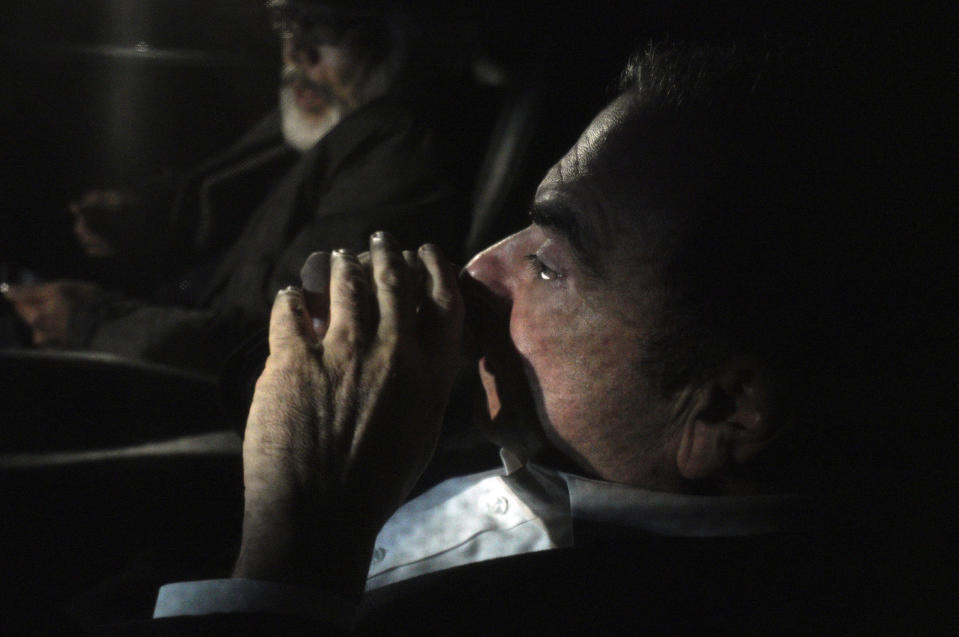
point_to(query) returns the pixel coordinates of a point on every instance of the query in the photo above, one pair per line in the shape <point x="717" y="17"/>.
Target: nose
<point x="487" y="282"/>
<point x="490" y="271"/>
<point x="487" y="288"/>
<point x="297" y="50"/>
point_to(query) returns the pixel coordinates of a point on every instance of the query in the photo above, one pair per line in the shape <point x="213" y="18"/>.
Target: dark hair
<point x="753" y="164"/>
<point x="762" y="164"/>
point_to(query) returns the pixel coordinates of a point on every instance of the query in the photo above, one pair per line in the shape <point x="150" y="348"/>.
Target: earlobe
<point x="731" y="420"/>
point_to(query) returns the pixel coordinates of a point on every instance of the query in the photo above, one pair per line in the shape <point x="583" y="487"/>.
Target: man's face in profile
<point x="576" y="300"/>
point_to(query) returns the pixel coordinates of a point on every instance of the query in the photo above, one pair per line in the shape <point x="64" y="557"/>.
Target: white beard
<point x="302" y="131"/>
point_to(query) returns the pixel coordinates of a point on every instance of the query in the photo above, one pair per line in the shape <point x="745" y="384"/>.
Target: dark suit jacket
<point x="258" y="211"/>
<point x="614" y="582"/>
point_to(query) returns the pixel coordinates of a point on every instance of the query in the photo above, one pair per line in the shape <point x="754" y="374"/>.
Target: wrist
<point x="280" y="545"/>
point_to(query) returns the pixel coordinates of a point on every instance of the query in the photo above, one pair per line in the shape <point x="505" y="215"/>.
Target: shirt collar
<point x="673" y="514"/>
<point x="511" y="462"/>
<point x="680" y="514"/>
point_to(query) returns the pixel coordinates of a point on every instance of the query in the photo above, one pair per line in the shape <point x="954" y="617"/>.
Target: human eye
<point x="540" y="269"/>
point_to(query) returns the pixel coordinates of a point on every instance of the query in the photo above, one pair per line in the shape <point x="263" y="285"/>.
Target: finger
<point x="349" y="301"/>
<point x="315" y="277"/>
<point x="48" y="331"/>
<point x="29" y="312"/>
<point x="93" y="244"/>
<point x="39" y="337"/>
<point x="364" y="259"/>
<point x="25" y="299"/>
<point x="290" y="327"/>
<point x="28" y="306"/>
<point x="391" y="277"/>
<point x="111" y="198"/>
<point x="17" y="293"/>
<point x="412" y="262"/>
<point x="91" y="198"/>
<point x="418" y="274"/>
<point x="442" y="310"/>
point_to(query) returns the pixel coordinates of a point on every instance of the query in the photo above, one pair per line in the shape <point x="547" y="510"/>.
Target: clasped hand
<point x="48" y="308"/>
<point x="347" y="411"/>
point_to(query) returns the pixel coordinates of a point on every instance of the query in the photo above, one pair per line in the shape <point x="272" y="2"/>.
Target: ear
<point x="732" y="419"/>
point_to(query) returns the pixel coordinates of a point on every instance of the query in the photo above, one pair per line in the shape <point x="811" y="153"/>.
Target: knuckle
<point x="388" y="359"/>
<point x="349" y="344"/>
<point x="390" y="278"/>
<point x="351" y="283"/>
<point x="446" y="298"/>
<point x="344" y="343"/>
<point x="349" y="303"/>
<point x="389" y="340"/>
<point x="284" y="360"/>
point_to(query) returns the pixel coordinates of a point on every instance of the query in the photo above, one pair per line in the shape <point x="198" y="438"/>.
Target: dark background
<point x="105" y="93"/>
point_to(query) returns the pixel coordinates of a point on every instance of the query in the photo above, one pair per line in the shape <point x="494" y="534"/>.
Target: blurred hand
<point x="47" y="308"/>
<point x="347" y="411"/>
<point x="103" y="220"/>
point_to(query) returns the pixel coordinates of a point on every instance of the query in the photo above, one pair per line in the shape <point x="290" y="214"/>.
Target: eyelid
<point x="587" y="256"/>
<point x="543" y="271"/>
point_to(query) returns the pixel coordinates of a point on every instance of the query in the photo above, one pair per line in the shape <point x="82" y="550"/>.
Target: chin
<point x="302" y="130"/>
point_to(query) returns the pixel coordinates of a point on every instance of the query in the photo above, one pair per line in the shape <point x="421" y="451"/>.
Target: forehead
<point x="592" y="195"/>
<point x="579" y="172"/>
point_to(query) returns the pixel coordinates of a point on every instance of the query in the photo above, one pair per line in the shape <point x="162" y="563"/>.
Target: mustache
<point x="293" y="76"/>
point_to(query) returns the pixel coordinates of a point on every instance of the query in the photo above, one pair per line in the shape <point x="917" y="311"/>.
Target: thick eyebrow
<point x="562" y="220"/>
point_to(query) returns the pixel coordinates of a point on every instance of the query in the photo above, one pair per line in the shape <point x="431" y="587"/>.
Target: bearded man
<point x="345" y="154"/>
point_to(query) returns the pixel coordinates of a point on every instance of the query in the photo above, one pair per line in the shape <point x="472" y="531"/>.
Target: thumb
<point x="21" y="294"/>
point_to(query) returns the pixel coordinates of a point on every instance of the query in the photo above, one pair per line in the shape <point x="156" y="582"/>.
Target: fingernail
<point x="290" y="289"/>
<point x="379" y="235"/>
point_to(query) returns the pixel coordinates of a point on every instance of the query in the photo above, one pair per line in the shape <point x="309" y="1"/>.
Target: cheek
<point x="572" y="359"/>
<point x="540" y="329"/>
<point x="338" y="66"/>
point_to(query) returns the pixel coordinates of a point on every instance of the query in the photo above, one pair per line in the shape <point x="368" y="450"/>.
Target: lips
<point x="307" y="98"/>
<point x="485" y="339"/>
<point x="500" y="366"/>
<point x="488" y="378"/>
<point x="307" y="94"/>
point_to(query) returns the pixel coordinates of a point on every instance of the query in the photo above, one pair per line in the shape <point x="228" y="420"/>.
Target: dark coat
<point x="617" y="582"/>
<point x="260" y="209"/>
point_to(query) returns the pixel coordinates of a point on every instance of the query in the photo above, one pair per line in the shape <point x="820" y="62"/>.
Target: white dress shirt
<point x="489" y="515"/>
